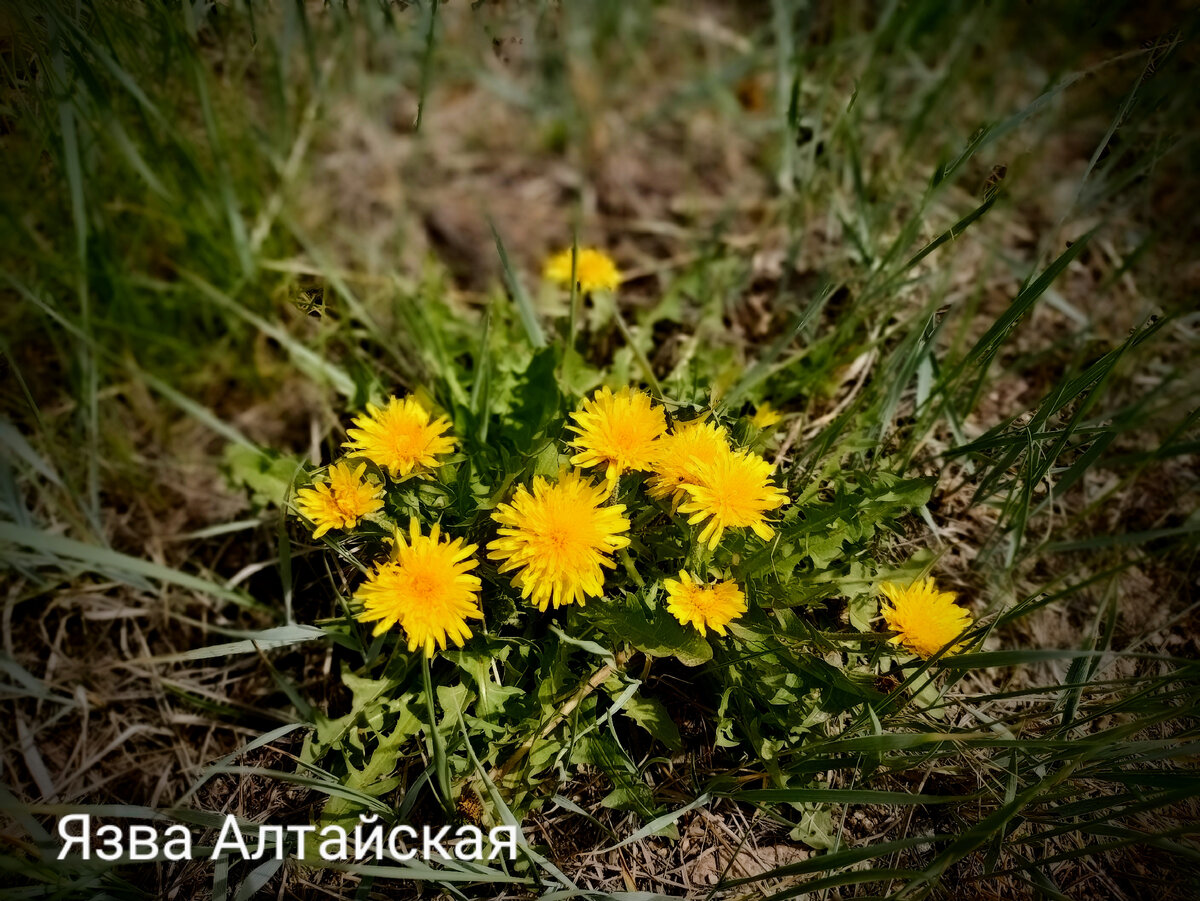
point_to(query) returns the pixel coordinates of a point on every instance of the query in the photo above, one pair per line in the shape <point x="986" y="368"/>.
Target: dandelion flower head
<point x="924" y="619"/>
<point x="340" y="501"/>
<point x="594" y="270"/>
<point x="559" y="538"/>
<point x="735" y="491"/>
<point x="765" y="417"/>
<point x="426" y="588"/>
<point x="617" y="431"/>
<point x="704" y="606"/>
<point x="682" y="454"/>
<point x="400" y="437"/>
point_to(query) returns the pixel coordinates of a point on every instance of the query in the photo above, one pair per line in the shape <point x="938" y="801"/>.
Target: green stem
<point x="647" y="369"/>
<point x="631" y="569"/>
<point x="437" y="743"/>
<point x="572" y="320"/>
<point x="698" y="559"/>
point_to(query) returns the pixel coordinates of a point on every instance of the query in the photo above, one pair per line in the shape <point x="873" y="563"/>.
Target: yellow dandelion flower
<point x="924" y="619"/>
<point x="400" y="437"/>
<point x="704" y="606"/>
<point x="733" y="492"/>
<point x="426" y="588"/>
<point x="618" y="431"/>
<point x="681" y="454"/>
<point x="594" y="270"/>
<point x="341" y="501"/>
<point x="559" y="538"/>
<point x="765" y="417"/>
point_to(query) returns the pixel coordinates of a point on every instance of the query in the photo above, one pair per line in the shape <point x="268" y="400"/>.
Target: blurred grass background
<point x="960" y="235"/>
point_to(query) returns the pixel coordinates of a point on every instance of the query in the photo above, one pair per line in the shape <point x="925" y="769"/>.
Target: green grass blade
<point x="525" y="308"/>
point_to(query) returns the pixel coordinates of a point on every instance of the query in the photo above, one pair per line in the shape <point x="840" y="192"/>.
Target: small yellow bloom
<point x="618" y="431"/>
<point x="681" y="454"/>
<point x="924" y="619"/>
<point x="340" y="502"/>
<point x="594" y="270"/>
<point x="713" y="606"/>
<point x="400" y="437"/>
<point x="765" y="416"/>
<point x="559" y="538"/>
<point x="426" y="588"/>
<point x="733" y="492"/>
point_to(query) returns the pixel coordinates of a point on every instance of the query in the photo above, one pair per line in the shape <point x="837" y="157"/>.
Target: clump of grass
<point x="936" y="242"/>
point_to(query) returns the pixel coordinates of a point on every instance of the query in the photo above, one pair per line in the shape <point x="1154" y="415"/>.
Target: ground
<point x="675" y="137"/>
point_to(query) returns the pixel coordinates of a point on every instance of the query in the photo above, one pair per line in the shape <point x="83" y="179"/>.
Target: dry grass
<point x="652" y="188"/>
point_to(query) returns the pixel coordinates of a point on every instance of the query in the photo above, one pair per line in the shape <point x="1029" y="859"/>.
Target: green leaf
<point x="520" y="296"/>
<point x="825" y="547"/>
<point x="651" y="715"/>
<point x="590" y="646"/>
<point x="862" y="609"/>
<point x="376" y="778"/>
<point x="653" y="632"/>
<point x="309" y="361"/>
<point x="266" y="476"/>
<point x="264" y="640"/>
<point x="492" y="698"/>
<point x="16" y="445"/>
<point x="629" y="791"/>
<point x="538" y="399"/>
<point x="542" y="754"/>
<point x="660" y="825"/>
<point x="114" y="565"/>
<point x="453" y="700"/>
<point x="815" y="828"/>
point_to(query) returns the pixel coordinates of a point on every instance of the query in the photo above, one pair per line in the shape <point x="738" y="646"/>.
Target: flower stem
<point x="638" y="354"/>
<point x="631" y="569"/>
<point x="572" y="323"/>
<point x="698" y="558"/>
<point x="437" y="744"/>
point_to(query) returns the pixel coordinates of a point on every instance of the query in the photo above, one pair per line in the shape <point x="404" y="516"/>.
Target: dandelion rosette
<point x="681" y="455"/>
<point x="559" y="539"/>
<point x="341" y="501"/>
<point x="924" y="619"/>
<point x="617" y="431"/>
<point x="734" y="491"/>
<point x="400" y="437"/>
<point x="426" y="588"/>
<point x="594" y="270"/>
<point x="704" y="606"/>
